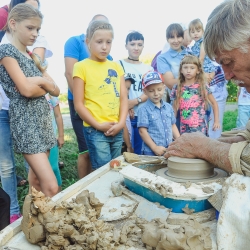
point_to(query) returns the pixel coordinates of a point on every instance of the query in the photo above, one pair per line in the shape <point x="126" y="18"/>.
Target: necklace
<point x="135" y="60"/>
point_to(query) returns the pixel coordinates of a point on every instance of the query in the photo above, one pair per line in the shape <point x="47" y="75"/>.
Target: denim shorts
<point x="102" y="148"/>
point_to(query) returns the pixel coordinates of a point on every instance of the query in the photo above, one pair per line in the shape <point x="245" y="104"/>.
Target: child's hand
<point x="105" y="126"/>
<point x="130" y="149"/>
<point x="216" y="126"/>
<point x="35" y="80"/>
<point x="131" y="113"/>
<point x="115" y="129"/>
<point x="60" y="141"/>
<point x="159" y="150"/>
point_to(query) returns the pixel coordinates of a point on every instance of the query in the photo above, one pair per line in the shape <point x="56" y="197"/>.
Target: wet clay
<point x="131" y="157"/>
<point x="189" y="168"/>
<point x="207" y="190"/>
<point x="75" y="225"/>
<point x="190" y="235"/>
<point x="188" y="210"/>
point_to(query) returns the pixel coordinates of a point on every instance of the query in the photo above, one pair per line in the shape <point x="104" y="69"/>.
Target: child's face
<point x="26" y="31"/>
<point x="196" y="34"/>
<point x="100" y="45"/>
<point x="155" y="92"/>
<point x="189" y="71"/>
<point x="135" y="48"/>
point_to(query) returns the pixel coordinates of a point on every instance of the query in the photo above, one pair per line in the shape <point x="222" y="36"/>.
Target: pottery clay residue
<point x="189" y="236"/>
<point x="69" y="225"/>
<point x="75" y="226"/>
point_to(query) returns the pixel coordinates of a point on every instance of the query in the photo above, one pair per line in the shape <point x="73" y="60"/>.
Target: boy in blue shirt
<point x="156" y="118"/>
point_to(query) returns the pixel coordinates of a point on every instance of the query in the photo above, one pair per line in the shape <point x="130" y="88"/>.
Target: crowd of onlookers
<point x="115" y="106"/>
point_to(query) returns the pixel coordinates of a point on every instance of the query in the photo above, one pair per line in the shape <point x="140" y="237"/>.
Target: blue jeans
<point x="7" y="163"/>
<point x="102" y="148"/>
<point x="136" y="138"/>
<point x="243" y="115"/>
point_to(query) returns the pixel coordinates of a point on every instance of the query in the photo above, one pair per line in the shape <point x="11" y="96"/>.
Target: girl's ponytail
<point x="37" y="61"/>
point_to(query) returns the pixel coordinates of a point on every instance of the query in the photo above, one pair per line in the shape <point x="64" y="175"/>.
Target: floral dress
<point x="192" y="109"/>
<point x="208" y="65"/>
<point x="30" y="119"/>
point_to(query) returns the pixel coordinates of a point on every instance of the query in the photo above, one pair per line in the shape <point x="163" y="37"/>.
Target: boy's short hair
<point x="174" y="29"/>
<point x="134" y="35"/>
<point x="151" y="77"/>
<point x="196" y="24"/>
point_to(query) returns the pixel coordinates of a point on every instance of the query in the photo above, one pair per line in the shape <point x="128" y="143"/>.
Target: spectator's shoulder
<point x="73" y="40"/>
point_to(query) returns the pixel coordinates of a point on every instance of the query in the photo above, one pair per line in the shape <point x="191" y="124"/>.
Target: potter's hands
<point x="188" y="145"/>
<point x="105" y="126"/>
<point x="114" y="130"/>
<point x="159" y="150"/>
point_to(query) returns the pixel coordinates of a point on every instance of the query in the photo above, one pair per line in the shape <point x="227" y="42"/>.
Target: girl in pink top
<point x="192" y="97"/>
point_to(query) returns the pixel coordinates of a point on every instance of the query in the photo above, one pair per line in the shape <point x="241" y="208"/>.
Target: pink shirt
<point x="3" y="16"/>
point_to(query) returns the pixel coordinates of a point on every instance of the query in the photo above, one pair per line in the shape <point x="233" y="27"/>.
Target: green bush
<point x="232" y="92"/>
<point x="229" y="120"/>
<point x="63" y="97"/>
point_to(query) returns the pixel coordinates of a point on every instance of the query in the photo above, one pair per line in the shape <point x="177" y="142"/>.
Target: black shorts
<point x="77" y="124"/>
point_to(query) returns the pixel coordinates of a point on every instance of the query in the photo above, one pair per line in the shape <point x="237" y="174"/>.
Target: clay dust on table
<point x="75" y="226"/>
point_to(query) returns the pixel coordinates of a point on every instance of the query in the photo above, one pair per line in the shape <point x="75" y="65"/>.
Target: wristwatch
<point x="139" y="100"/>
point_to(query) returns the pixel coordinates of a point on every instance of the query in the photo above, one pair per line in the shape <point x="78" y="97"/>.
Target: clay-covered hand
<point x="216" y="126"/>
<point x="114" y="130"/>
<point x="188" y="145"/>
<point x="105" y="126"/>
<point x="159" y="150"/>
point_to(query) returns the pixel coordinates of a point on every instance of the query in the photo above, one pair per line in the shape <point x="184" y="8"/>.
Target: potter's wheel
<point x="193" y="170"/>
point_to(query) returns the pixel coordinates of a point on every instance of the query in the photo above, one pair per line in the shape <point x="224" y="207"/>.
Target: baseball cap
<point x="151" y="77"/>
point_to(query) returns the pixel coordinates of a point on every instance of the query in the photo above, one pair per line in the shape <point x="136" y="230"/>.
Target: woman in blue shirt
<point x="168" y="63"/>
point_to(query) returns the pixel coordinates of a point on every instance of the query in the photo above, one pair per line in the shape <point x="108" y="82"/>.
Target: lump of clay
<point x="191" y="235"/>
<point x="116" y="188"/>
<point x="188" y="210"/>
<point x="131" y="157"/>
<point x="69" y="225"/>
<point x="34" y="231"/>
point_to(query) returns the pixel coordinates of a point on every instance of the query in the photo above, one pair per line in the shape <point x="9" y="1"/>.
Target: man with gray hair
<point x="227" y="40"/>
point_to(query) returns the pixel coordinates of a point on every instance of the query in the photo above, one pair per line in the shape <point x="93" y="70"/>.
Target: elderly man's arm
<point x="197" y="145"/>
<point x="233" y="139"/>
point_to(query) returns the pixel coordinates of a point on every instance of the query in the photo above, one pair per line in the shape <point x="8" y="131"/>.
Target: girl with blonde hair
<point x="192" y="96"/>
<point x="25" y="82"/>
